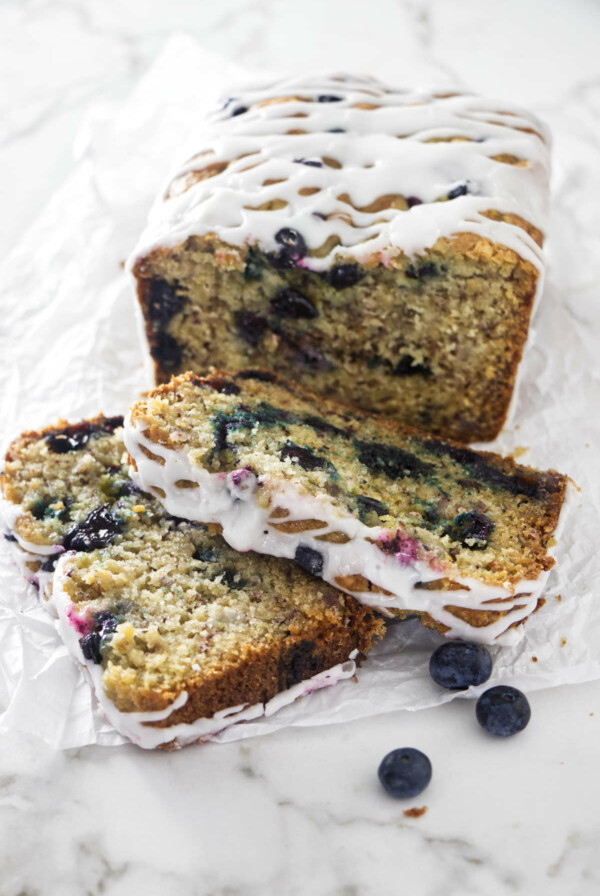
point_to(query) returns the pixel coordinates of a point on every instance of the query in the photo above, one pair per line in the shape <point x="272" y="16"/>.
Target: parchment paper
<point x="69" y="348"/>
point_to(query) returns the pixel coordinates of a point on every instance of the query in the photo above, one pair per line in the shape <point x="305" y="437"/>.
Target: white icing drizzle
<point x="228" y="499"/>
<point x="321" y="180"/>
<point x="135" y="725"/>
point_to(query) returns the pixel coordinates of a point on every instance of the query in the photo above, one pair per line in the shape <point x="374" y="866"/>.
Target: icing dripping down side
<point x="229" y="500"/>
<point x="361" y="170"/>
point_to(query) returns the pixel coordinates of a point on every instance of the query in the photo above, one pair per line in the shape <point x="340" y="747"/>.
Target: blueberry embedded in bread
<point x="394" y="517"/>
<point x="417" y="259"/>
<point x="166" y="617"/>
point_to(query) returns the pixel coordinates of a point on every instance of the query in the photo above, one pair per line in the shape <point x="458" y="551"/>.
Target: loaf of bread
<point x="382" y="247"/>
<point x="180" y="635"/>
<point x="403" y="521"/>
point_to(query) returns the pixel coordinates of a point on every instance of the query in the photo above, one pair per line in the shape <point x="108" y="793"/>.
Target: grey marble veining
<point x="301" y="811"/>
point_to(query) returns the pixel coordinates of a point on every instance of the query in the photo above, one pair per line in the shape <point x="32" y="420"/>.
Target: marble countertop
<point x="300" y="811"/>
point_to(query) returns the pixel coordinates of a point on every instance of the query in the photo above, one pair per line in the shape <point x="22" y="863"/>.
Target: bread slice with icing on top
<point x="180" y="635"/>
<point x="402" y="521"/>
<point x="383" y="247"/>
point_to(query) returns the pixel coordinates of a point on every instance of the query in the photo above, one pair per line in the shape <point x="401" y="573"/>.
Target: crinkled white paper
<point x="69" y="348"/>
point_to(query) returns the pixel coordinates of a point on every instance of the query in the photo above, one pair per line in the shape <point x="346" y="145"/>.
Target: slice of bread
<point x="403" y="521"/>
<point x="181" y="635"/>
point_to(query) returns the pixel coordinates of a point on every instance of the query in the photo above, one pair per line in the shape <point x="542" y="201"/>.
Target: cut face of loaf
<point x="381" y="247"/>
<point x="402" y="521"/>
<point x="180" y="635"/>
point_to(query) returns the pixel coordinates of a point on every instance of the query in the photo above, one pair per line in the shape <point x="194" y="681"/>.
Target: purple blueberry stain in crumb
<point x="408" y="366"/>
<point x="81" y="624"/>
<point x="342" y="276"/>
<point x="166" y="351"/>
<point x="309" y="559"/>
<point x="98" y="530"/>
<point x="411" y="201"/>
<point x="304" y="457"/>
<point x="471" y="529"/>
<point x="291" y="303"/>
<point x="250" y="327"/>
<point x="163" y="302"/>
<point x="404" y="548"/>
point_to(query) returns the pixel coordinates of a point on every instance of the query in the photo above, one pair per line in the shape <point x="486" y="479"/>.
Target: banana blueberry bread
<point x="403" y="521"/>
<point x="180" y="635"/>
<point x="380" y="246"/>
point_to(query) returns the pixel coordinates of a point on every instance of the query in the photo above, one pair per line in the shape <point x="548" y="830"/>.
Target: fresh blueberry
<point x="329" y="98"/>
<point x="405" y="772"/>
<point x="503" y="711"/>
<point x="471" y="529"/>
<point x="250" y="327"/>
<point x="460" y="190"/>
<point x="309" y="560"/>
<point x="62" y="442"/>
<point x="292" y="303"/>
<point x="343" y="275"/>
<point x="98" y="530"/>
<point x="458" y="665"/>
<point x="167" y="352"/>
<point x="421" y="271"/>
<point x="90" y="647"/>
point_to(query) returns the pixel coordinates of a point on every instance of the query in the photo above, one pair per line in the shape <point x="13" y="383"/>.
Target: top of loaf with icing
<point x="360" y="170"/>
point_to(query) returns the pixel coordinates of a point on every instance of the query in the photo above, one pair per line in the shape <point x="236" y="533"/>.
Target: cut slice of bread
<point x="181" y="635"/>
<point x="401" y="520"/>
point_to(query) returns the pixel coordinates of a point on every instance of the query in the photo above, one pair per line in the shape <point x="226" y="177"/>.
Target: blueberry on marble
<point x="166" y="351"/>
<point x="343" y="275"/>
<point x="90" y="647"/>
<point x="250" y="327"/>
<point x="460" y="190"/>
<point x="292" y="303"/>
<point x="471" y="529"/>
<point x="458" y="665"/>
<point x="407" y="366"/>
<point x="309" y="560"/>
<point x="162" y="303"/>
<point x="98" y="530"/>
<point x="503" y="710"/>
<point x="405" y="772"/>
<point x="63" y="442"/>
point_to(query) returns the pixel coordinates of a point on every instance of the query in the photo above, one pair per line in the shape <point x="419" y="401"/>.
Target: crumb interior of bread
<point x="184" y="608"/>
<point x="433" y="341"/>
<point x="385" y="476"/>
<point x="56" y="491"/>
<point x="189" y="607"/>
